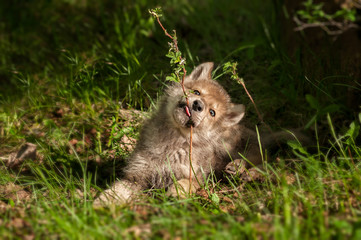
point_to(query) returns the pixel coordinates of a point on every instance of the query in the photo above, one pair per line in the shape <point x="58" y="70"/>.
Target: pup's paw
<point x="180" y="189"/>
<point x="236" y="167"/>
<point x="122" y="192"/>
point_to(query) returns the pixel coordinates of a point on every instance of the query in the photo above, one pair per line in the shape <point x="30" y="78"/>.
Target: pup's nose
<point x="198" y="106"/>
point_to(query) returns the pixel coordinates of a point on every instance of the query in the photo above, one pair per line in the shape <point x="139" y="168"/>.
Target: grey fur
<point x="162" y="152"/>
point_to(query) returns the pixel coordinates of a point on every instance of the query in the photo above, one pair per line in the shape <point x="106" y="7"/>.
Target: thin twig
<point x="240" y="81"/>
<point x="341" y="26"/>
<point x="260" y="117"/>
<point x="175" y="42"/>
<point x="237" y="189"/>
<point x="349" y="153"/>
<point x="177" y="50"/>
<point x="190" y="162"/>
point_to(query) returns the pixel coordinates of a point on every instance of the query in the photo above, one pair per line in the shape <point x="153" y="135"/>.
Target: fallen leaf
<point x="88" y="140"/>
<point x="131" y="114"/>
<point x="17" y="223"/>
<point x="240" y="218"/>
<point x="132" y="117"/>
<point x="202" y="193"/>
<point x="73" y="142"/>
<point x="3" y="207"/>
<point x="93" y="131"/>
<point x="227" y="199"/>
<point x="139" y="230"/>
<point x="227" y="208"/>
<point x="15" y="193"/>
<point x="37" y="130"/>
<point x="263" y="227"/>
<point x="27" y="151"/>
<point x="290" y="178"/>
<point x="79" y="193"/>
<point x="58" y="113"/>
<point x="143" y="211"/>
<point x="29" y="237"/>
<point x="127" y="143"/>
<point x="253" y="174"/>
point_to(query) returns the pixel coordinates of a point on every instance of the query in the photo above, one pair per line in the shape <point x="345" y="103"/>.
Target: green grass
<point x="71" y="73"/>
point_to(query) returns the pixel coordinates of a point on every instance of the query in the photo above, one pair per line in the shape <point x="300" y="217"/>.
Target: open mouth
<point x="186" y="121"/>
<point x="187" y="111"/>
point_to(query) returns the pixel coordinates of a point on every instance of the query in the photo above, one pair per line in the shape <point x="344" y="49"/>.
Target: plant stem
<point x="190" y="161"/>
<point x="175" y="42"/>
<point x="241" y="81"/>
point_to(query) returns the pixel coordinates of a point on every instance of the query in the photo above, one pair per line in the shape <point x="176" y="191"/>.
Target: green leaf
<point x="313" y="102"/>
<point x="215" y="198"/>
<point x="330" y="109"/>
<point x="342" y="225"/>
<point x="11" y="203"/>
<point x="318" y="6"/>
<point x="312" y="121"/>
<point x="308" y="3"/>
<point x="170" y="55"/>
<point x="172" y="78"/>
<point x="295" y="145"/>
<point x="352" y="132"/>
<point x="351" y="15"/>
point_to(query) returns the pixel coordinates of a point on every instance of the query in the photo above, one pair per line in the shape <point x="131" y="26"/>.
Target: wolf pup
<point x="162" y="152"/>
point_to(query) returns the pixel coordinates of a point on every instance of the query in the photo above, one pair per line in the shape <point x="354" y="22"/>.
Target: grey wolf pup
<point x="161" y="155"/>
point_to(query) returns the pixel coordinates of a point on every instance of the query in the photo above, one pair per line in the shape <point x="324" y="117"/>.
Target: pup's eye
<point x="212" y="112"/>
<point x="196" y="92"/>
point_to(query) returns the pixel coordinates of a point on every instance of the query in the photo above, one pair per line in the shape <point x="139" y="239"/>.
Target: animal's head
<point x="209" y="109"/>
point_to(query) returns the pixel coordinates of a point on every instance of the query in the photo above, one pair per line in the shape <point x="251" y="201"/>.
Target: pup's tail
<point x="274" y="140"/>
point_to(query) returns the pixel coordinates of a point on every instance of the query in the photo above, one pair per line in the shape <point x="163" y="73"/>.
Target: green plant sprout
<point x="231" y="68"/>
<point x="179" y="71"/>
<point x="336" y="23"/>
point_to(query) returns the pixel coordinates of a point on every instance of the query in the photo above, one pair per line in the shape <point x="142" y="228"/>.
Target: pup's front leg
<point x="120" y="193"/>
<point x="181" y="188"/>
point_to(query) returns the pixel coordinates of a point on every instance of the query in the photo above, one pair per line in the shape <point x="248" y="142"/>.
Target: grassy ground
<point x="76" y="78"/>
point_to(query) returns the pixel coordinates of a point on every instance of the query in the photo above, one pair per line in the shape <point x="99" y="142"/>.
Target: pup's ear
<point x="202" y="71"/>
<point x="234" y="115"/>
